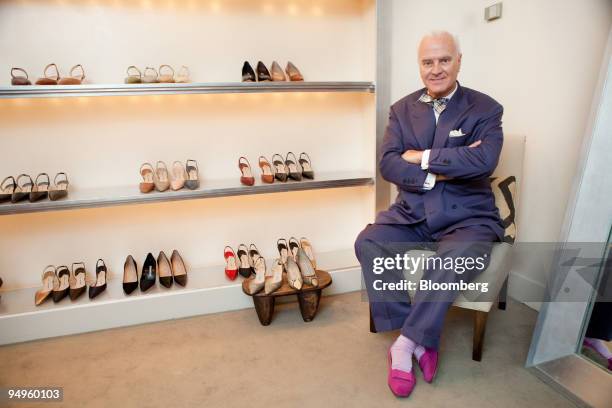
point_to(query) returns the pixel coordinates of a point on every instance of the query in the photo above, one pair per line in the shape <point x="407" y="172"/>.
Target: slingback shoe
<point x="73" y="79"/>
<point x="254" y="254"/>
<point x="167" y="76"/>
<point x="149" y="273"/>
<point x="134" y="76"/>
<point x="193" y="176"/>
<point x="308" y="273"/>
<point x="101" y="276"/>
<point x="247" y="174"/>
<point x="294" y="277"/>
<point x="165" y="271"/>
<point x="274" y="279"/>
<point x="183" y="76"/>
<point x="47" y="285"/>
<point x="161" y="180"/>
<point x="23" y="189"/>
<point x="277" y="72"/>
<point x="244" y="267"/>
<point x="40" y="189"/>
<point x="60" y="188"/>
<point x="257" y="282"/>
<point x="262" y="72"/>
<point x="267" y="175"/>
<point x="307" y="247"/>
<point x="130" y="275"/>
<point x="148" y="179"/>
<point x="61" y="283"/>
<point x="293" y="73"/>
<point x="179" y="176"/>
<point x="179" y="272"/>
<point x="283" y="250"/>
<point x="306" y="165"/>
<point x="150" y="76"/>
<point x="294" y="246"/>
<point x="231" y="264"/>
<point x="78" y="280"/>
<point x="248" y="75"/>
<point x="7" y="187"/>
<point x="19" y="79"/>
<point x="49" y="79"/>
<point x="292" y="164"/>
<point x="280" y="168"/>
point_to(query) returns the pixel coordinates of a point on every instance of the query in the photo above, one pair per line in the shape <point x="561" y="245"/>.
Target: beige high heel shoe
<point x="183" y="75"/>
<point x="73" y="79"/>
<point x="308" y="273"/>
<point x="168" y="77"/>
<point x="133" y="78"/>
<point x="293" y="73"/>
<point x="257" y="283"/>
<point x="294" y="277"/>
<point x="150" y="76"/>
<point x="19" y="79"/>
<point x="179" y="175"/>
<point x="48" y="277"/>
<point x="307" y="247"/>
<point x="148" y="180"/>
<point x="274" y="278"/>
<point x="161" y="180"/>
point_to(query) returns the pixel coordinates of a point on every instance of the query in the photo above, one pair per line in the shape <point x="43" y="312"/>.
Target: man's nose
<point x="437" y="69"/>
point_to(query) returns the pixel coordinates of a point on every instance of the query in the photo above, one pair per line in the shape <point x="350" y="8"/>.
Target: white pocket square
<point x="456" y="133"/>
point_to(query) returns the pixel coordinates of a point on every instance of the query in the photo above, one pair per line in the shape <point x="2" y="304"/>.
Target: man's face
<point x="439" y="64"/>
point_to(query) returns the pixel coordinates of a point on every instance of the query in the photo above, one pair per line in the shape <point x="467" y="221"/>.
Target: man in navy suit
<point x="441" y="146"/>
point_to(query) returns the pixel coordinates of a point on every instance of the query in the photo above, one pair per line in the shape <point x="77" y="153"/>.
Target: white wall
<point x="541" y="61"/>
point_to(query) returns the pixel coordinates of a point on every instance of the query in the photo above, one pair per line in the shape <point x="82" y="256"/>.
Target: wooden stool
<point x="308" y="298"/>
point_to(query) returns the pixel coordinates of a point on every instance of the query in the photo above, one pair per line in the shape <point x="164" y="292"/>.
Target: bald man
<point x="441" y="146"/>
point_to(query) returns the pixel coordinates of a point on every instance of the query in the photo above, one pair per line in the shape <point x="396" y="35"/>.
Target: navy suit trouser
<point x="422" y="318"/>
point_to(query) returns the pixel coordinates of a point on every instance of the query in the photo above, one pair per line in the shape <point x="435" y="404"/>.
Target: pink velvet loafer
<point x="400" y="382"/>
<point x="429" y="364"/>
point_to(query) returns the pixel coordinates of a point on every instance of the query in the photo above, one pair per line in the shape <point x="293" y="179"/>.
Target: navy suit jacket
<point x="465" y="200"/>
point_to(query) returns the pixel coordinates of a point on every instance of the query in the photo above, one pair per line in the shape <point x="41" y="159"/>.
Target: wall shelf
<point x="125" y="195"/>
<point x="55" y="91"/>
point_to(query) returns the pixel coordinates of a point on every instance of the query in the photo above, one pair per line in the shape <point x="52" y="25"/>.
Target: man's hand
<point x="413" y="156"/>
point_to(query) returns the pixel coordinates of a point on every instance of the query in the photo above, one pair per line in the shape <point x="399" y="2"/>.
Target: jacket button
<point x="454" y="206"/>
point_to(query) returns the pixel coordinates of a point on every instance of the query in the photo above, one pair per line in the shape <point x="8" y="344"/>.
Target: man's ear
<point x="459" y="60"/>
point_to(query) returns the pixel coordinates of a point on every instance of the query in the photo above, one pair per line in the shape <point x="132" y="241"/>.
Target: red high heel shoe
<point x="247" y="174"/>
<point x="231" y="266"/>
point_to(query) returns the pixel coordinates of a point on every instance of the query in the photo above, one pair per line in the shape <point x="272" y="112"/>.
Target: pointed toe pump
<point x="244" y="267"/>
<point x="40" y="189"/>
<point x="60" y="188"/>
<point x="130" y="275"/>
<point x="307" y="247"/>
<point x="257" y="282"/>
<point x="179" y="175"/>
<point x="306" y="165"/>
<point x="179" y="271"/>
<point x="149" y="273"/>
<point x="48" y="277"/>
<point x="294" y="246"/>
<point x="148" y="180"/>
<point x="23" y="188"/>
<point x="277" y="72"/>
<point x="292" y="164"/>
<point x="165" y="271"/>
<point x="134" y="76"/>
<point x="78" y="280"/>
<point x="281" y="173"/>
<point x="101" y="277"/>
<point x="254" y="254"/>
<point x="193" y="176"/>
<point x="309" y="276"/>
<point x="274" y="279"/>
<point x="262" y="72"/>
<point x="150" y="76"/>
<point x="293" y="73"/>
<point x="166" y="74"/>
<point x="231" y="263"/>
<point x="248" y="75"/>
<point x="61" y="283"/>
<point x="283" y="249"/>
<point x="246" y="177"/>
<point x="76" y="77"/>
<point x="7" y="187"/>
<point x="183" y="76"/>
<point x="267" y="175"/>
<point x="49" y="77"/>
<point x="19" y="79"/>
<point x="161" y="180"/>
<point x="294" y="277"/>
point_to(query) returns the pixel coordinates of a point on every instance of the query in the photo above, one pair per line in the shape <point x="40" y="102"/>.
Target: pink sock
<point x="401" y="354"/>
<point x="599" y="346"/>
<point x="419" y="351"/>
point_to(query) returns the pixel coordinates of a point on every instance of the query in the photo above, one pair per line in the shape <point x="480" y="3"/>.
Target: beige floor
<point x="229" y="360"/>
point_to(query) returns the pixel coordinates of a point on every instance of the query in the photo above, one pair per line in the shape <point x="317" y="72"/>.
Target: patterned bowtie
<point x="438" y="104"/>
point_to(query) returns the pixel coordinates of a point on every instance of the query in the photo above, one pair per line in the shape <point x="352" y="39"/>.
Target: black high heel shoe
<point x="248" y="75"/>
<point x="179" y="272"/>
<point x="78" y="280"/>
<point x="130" y="275"/>
<point x="292" y="164"/>
<point x="22" y="190"/>
<point x="7" y="188"/>
<point x="100" y="285"/>
<point x="149" y="273"/>
<point x="306" y="165"/>
<point x="61" y="283"/>
<point x="244" y="266"/>
<point x="40" y="189"/>
<point x="281" y="173"/>
<point x="262" y="72"/>
<point x="60" y="190"/>
<point x="165" y="271"/>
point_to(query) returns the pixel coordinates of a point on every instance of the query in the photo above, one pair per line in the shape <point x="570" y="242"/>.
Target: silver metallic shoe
<point x="308" y="273"/>
<point x="294" y="277"/>
<point x="257" y="282"/>
<point x="274" y="278"/>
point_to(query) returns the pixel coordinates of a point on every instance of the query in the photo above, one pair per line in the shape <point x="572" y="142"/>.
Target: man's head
<point x="439" y="58"/>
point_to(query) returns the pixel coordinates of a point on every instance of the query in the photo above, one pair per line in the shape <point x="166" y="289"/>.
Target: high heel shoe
<point x="7" y="187"/>
<point x="267" y="176"/>
<point x="60" y="188"/>
<point x="193" y="177"/>
<point x="247" y="174"/>
<point x="178" y="176"/>
<point x="61" y="283"/>
<point x="183" y="76"/>
<point x="78" y="280"/>
<point x="248" y="75"/>
<point x="257" y="283"/>
<point x="293" y="73"/>
<point x="148" y="180"/>
<point x="277" y="72"/>
<point x="294" y="277"/>
<point x="47" y="285"/>
<point x="161" y="180"/>
<point x="306" y="165"/>
<point x="133" y="78"/>
<point x="283" y="249"/>
<point x="274" y="279"/>
<point x="130" y="275"/>
<point x="149" y="273"/>
<point x="309" y="275"/>
<point x="22" y="190"/>
<point x="307" y="247"/>
<point x="165" y="271"/>
<point x="100" y="285"/>
<point x="294" y="246"/>
<point x="73" y="79"/>
<point x="294" y="171"/>
<point x="244" y="268"/>
<point x="262" y="72"/>
<point x="48" y="79"/>
<point x="231" y="267"/>
<point x="19" y="79"/>
<point x="167" y="78"/>
<point x="280" y="168"/>
<point x="40" y="189"/>
<point x="179" y="272"/>
<point x="150" y="76"/>
<point x="254" y="254"/>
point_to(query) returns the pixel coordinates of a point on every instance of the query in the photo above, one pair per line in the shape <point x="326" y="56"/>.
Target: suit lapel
<point x="423" y="124"/>
<point x="456" y="107"/>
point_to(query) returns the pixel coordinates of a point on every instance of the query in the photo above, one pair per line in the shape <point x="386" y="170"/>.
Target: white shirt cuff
<point x="430" y="181"/>
<point x="425" y="159"/>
